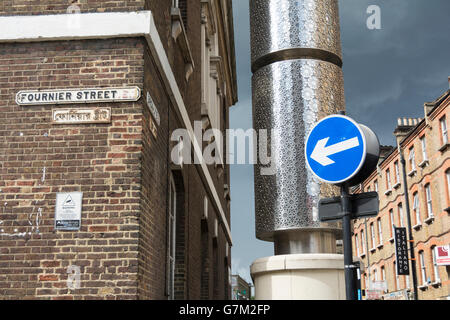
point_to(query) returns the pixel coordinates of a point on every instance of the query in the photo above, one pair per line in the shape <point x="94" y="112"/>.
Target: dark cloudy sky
<point x="389" y="73"/>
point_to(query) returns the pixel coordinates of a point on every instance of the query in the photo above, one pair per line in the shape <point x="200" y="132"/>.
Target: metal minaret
<point x="297" y="80"/>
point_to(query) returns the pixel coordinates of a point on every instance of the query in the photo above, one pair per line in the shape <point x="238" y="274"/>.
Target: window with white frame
<point x="423" y="267"/>
<point x="447" y="175"/>
<point x="435" y="265"/>
<point x="363" y="242"/>
<point x="380" y="232"/>
<point x="383" y="274"/>
<point x="429" y="201"/>
<point x="376" y="185"/>
<point x="357" y="245"/>
<point x="424" y="148"/>
<point x="397" y="172"/>
<point x="444" y="134"/>
<point x="372" y="234"/>
<point x="412" y="159"/>
<point x="388" y="180"/>
<point x="401" y="216"/>
<point x="213" y="84"/>
<point x="391" y="219"/>
<point x="416" y="207"/>
<point x="375" y="274"/>
<point x="397" y="277"/>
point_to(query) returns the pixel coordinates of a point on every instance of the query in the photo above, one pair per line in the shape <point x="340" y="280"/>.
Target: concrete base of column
<point x="299" y="277"/>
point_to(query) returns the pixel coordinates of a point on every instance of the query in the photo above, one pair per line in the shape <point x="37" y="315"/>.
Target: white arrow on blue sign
<point x="335" y="149"/>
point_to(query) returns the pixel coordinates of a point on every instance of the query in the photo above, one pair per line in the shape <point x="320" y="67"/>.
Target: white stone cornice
<point x="81" y="26"/>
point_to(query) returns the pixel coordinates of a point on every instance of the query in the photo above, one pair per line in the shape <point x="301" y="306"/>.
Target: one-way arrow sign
<point x="321" y="151"/>
<point x="340" y="150"/>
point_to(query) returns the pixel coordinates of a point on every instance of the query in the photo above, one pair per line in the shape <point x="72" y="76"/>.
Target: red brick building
<point x="150" y="229"/>
<point x="425" y="147"/>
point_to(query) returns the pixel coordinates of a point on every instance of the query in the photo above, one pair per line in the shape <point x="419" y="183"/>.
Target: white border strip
<point x="104" y="25"/>
<point x="74" y="26"/>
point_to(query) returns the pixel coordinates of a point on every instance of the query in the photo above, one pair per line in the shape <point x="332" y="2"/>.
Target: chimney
<point x="404" y="127"/>
<point x="384" y="152"/>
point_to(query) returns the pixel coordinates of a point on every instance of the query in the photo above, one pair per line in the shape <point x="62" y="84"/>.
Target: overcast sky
<point x="389" y="73"/>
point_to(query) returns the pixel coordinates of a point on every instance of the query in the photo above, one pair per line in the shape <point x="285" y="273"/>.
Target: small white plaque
<point x="81" y="115"/>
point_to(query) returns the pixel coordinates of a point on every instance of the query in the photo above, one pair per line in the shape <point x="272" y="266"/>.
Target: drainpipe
<point x="408" y="215"/>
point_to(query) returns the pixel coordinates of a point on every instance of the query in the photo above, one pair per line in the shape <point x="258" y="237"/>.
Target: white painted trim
<point x="74" y="26"/>
<point x="106" y="25"/>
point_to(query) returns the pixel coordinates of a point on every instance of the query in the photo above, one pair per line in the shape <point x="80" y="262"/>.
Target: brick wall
<point x="427" y="233"/>
<point x="121" y="168"/>
<point x="38" y="159"/>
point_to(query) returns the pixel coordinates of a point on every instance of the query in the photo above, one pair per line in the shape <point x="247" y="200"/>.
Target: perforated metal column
<point x="297" y="80"/>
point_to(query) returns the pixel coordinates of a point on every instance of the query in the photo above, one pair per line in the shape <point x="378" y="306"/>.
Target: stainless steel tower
<point x="297" y="80"/>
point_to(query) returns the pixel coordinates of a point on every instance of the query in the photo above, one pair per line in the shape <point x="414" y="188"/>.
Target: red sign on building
<point x="443" y="256"/>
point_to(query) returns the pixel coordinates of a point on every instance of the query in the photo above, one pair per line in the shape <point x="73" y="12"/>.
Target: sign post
<point x="342" y="152"/>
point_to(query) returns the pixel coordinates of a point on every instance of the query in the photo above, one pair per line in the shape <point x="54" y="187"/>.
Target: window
<point x="357" y="245"/>
<point x="444" y="135"/>
<point x="412" y="160"/>
<point x="383" y="274"/>
<point x="388" y="180"/>
<point x="372" y="233"/>
<point x="366" y="283"/>
<point x="424" y="149"/>
<point x="435" y="266"/>
<point x="416" y="207"/>
<point x="397" y="278"/>
<point x="363" y="241"/>
<point x="380" y="232"/>
<point x="212" y="83"/>
<point x="171" y="241"/>
<point x="423" y="268"/>
<point x="391" y="219"/>
<point x="401" y="216"/>
<point x="375" y="185"/>
<point x="182" y="5"/>
<point x="447" y="175"/>
<point x="429" y="201"/>
<point x="375" y="274"/>
<point x="397" y="173"/>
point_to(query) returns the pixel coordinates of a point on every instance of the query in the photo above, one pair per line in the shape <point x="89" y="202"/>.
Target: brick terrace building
<point x="150" y="229"/>
<point x="424" y="144"/>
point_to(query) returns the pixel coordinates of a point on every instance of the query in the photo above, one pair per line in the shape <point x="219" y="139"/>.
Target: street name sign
<point x="67" y="96"/>
<point x="339" y="150"/>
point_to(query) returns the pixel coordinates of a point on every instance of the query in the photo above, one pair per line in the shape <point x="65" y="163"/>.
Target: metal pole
<point x="349" y="267"/>
<point x="408" y="215"/>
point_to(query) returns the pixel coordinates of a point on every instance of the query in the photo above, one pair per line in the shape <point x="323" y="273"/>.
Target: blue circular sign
<point x="335" y="149"/>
